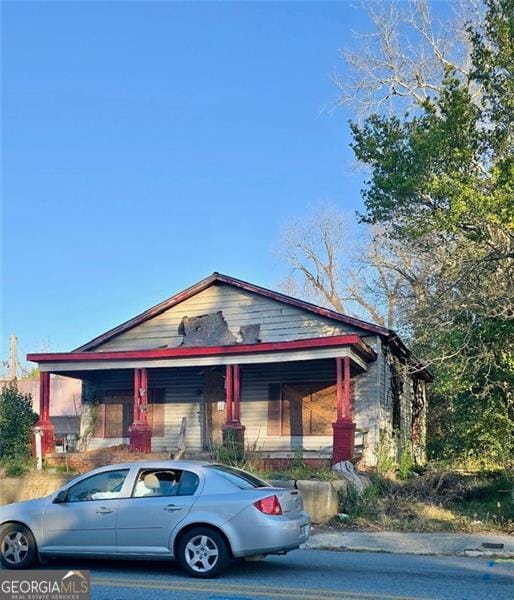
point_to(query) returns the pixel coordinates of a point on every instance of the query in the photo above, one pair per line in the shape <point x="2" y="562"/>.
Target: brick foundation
<point x="140" y="438"/>
<point x="282" y="464"/>
<point x="86" y="461"/>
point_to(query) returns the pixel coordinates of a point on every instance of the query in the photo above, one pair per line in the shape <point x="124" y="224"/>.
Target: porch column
<point x="344" y="427"/>
<point x="143" y="393"/>
<point x="44" y="425"/>
<point x="140" y="434"/>
<point x="233" y="431"/>
<point x="229" y="395"/>
<point x="137" y="385"/>
<point x="236" y="417"/>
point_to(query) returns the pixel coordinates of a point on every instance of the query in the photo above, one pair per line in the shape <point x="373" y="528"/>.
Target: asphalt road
<point x="307" y="574"/>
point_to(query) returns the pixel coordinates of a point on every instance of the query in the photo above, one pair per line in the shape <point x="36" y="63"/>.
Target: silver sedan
<point x="201" y="514"/>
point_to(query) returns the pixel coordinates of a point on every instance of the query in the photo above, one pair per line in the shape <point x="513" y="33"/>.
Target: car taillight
<point x="269" y="506"/>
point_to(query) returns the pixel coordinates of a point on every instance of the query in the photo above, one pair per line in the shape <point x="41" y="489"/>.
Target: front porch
<point x="275" y="401"/>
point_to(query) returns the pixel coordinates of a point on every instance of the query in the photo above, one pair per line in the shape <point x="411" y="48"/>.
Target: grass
<point x="296" y="473"/>
<point x="435" y="502"/>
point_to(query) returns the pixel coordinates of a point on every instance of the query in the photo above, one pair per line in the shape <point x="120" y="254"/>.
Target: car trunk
<point x="290" y="500"/>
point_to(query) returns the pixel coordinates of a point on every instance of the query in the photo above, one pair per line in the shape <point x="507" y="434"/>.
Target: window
<point x="241" y="479"/>
<point x="165" y="482"/>
<point x="103" y="486"/>
<point x="300" y="409"/>
<point x="114" y="415"/>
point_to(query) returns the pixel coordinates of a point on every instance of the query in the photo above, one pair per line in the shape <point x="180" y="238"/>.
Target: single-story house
<point x="225" y="355"/>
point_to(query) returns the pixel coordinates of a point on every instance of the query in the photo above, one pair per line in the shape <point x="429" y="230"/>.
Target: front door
<point x="85" y="522"/>
<point x="214" y="398"/>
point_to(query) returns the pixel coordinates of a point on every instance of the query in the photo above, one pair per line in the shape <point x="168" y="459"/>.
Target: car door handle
<point x="172" y="507"/>
<point x="103" y="510"/>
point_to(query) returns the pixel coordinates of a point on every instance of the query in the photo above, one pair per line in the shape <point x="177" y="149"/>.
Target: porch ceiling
<point x="308" y="349"/>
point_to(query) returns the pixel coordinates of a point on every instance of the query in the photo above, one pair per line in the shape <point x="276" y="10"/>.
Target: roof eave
<point x="353" y="340"/>
<point x="226" y="279"/>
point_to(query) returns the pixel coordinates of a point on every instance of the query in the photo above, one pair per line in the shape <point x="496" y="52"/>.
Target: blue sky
<point x="147" y="144"/>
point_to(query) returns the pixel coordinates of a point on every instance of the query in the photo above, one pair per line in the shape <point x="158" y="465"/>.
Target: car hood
<point x="20" y="507"/>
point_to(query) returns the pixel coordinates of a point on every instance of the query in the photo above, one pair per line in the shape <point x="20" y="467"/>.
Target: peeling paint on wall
<point x="212" y="330"/>
<point x="206" y="330"/>
<point x="250" y="333"/>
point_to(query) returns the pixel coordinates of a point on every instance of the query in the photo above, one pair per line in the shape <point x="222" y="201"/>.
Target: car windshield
<point x="243" y="480"/>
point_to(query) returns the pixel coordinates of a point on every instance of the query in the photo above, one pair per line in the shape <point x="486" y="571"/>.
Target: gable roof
<point x="218" y="278"/>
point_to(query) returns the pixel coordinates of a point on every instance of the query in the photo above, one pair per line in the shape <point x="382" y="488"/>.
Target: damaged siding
<point x="245" y="314"/>
<point x="396" y="405"/>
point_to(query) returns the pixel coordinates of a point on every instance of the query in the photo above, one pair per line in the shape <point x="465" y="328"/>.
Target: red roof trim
<point x="326" y="342"/>
<point x="250" y="287"/>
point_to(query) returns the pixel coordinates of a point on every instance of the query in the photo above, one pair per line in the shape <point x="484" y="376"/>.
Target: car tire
<point x="17" y="547"/>
<point x="203" y="552"/>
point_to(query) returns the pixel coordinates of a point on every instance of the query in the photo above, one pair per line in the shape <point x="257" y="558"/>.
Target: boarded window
<point x="114" y="414"/>
<point x="99" y="420"/>
<point x="114" y="420"/>
<point x="156" y="404"/>
<point x="300" y="409"/>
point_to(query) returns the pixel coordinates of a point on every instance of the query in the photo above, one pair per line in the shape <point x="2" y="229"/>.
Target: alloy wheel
<point x="201" y="553"/>
<point x="15" y="547"/>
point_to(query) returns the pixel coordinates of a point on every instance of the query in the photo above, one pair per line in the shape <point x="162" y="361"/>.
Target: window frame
<point x="225" y="472"/>
<point x="279" y="409"/>
<point x="158" y="470"/>
<point x="127" y="470"/>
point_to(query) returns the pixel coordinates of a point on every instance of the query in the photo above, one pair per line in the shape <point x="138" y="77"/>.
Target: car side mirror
<point x="61" y="497"/>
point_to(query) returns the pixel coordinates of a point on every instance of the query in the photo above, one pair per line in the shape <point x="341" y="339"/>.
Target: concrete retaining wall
<point x="321" y="499"/>
<point x="35" y="485"/>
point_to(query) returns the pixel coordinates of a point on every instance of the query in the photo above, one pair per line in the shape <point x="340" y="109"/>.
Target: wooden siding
<point x="384" y="361"/>
<point x="184" y="398"/>
<point x="256" y="380"/>
<point x="278" y="321"/>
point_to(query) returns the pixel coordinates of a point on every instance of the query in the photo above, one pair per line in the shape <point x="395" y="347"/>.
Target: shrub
<point x="406" y="464"/>
<point x="16" y="467"/>
<point x="16" y="420"/>
<point x="230" y="453"/>
<point x="384" y="450"/>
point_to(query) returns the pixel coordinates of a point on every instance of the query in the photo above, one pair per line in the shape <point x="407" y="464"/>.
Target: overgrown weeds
<point x="299" y="469"/>
<point x="436" y="501"/>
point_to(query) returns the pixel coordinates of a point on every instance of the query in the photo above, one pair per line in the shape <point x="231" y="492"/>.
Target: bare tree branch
<point x="403" y="61"/>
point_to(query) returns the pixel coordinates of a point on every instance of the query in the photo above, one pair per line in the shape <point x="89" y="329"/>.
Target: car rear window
<point x="241" y="479"/>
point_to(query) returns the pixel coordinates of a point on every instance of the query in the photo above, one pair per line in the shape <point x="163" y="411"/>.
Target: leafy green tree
<point x="16" y="420"/>
<point x="442" y="184"/>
